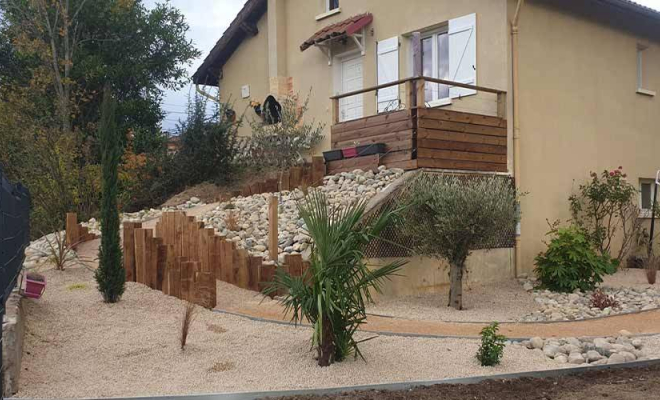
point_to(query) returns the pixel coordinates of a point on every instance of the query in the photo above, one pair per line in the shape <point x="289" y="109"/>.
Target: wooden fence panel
<point x="129" y="249"/>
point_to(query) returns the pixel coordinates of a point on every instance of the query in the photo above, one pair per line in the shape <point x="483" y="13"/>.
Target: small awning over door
<point x="345" y="28"/>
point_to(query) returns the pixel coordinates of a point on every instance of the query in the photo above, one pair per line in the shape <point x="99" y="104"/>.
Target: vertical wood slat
<point x="254" y="270"/>
<point x="187" y="277"/>
<point x="129" y="249"/>
<point x="295" y="264"/>
<point x="335" y="111"/>
<point x="318" y="171"/>
<point x="169" y="261"/>
<point x="143" y="254"/>
<point x="161" y="266"/>
<point x="273" y="249"/>
<point x="153" y="262"/>
<point x="284" y="181"/>
<point x="179" y="221"/>
<point x="243" y="278"/>
<point x="266" y="273"/>
<point x="174" y="274"/>
<point x="227" y="261"/>
<point x="71" y="229"/>
<point x="295" y="177"/>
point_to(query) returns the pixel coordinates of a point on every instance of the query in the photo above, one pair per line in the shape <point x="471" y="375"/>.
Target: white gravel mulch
<point x="503" y="301"/>
<point x="76" y="346"/>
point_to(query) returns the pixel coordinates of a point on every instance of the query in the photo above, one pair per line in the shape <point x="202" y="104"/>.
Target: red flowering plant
<point x="606" y="207"/>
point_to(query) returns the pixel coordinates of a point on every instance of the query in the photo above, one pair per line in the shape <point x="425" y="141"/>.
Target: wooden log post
<point x="295" y="177"/>
<point x="335" y="111"/>
<point x="273" y="242"/>
<point x="129" y="249"/>
<point x="153" y="263"/>
<point x="174" y="276"/>
<point x="72" y="229"/>
<point x="266" y="274"/>
<point x="417" y="101"/>
<point x="421" y="93"/>
<point x="284" y="181"/>
<point x="254" y="269"/>
<point x="227" y="262"/>
<point x="142" y="254"/>
<point x="243" y="278"/>
<point x="295" y="264"/>
<point x="170" y="261"/>
<point x="187" y="278"/>
<point x="318" y="171"/>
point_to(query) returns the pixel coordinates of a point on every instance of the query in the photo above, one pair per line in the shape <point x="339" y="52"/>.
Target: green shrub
<point x="492" y="346"/>
<point x="571" y="263"/>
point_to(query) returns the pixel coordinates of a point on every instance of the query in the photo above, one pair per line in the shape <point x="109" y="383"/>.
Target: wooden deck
<point x="425" y="138"/>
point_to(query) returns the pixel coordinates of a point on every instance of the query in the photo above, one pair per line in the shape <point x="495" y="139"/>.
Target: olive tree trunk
<point x="456" y="285"/>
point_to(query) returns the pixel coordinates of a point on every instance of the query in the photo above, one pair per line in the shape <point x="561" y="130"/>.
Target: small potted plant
<point x="35" y="284"/>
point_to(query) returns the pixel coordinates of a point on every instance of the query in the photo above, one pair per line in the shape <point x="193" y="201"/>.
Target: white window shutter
<point x="463" y="54"/>
<point x="388" y="71"/>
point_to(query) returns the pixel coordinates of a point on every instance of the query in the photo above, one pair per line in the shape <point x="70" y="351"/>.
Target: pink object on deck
<point x="349" y="152"/>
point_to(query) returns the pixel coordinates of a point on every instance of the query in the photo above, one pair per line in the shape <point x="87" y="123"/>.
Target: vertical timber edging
<point x="184" y="259"/>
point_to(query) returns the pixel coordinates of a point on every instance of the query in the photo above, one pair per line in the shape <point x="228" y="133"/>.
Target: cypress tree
<point x="110" y="275"/>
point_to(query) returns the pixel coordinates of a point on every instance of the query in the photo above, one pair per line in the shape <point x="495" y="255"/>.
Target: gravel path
<point x="504" y="301"/>
<point x="76" y="346"/>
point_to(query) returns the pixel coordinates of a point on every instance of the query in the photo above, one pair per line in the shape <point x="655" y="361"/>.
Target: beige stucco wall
<point x="312" y="74"/>
<point x="579" y="108"/>
<point x="247" y="66"/>
<point x="426" y="275"/>
<point x="579" y="111"/>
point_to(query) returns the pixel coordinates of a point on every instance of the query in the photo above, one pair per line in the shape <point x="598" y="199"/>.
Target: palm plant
<point x="333" y="291"/>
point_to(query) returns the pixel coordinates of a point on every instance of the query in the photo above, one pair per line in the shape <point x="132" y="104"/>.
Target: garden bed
<point x="76" y="346"/>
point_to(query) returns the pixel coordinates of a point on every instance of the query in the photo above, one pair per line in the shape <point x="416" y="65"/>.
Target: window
<point x="331" y="5"/>
<point x="451" y="54"/>
<point x="646" y="189"/>
<point x="435" y="64"/>
<point x="640" y="72"/>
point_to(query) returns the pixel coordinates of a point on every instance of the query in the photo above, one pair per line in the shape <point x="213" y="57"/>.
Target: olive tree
<point x="447" y="216"/>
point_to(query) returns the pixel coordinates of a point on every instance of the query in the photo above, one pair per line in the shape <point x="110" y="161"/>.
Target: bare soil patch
<point x="620" y="384"/>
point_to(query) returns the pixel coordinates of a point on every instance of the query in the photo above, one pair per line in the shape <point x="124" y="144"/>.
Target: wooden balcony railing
<point x="417" y="136"/>
<point x="415" y="90"/>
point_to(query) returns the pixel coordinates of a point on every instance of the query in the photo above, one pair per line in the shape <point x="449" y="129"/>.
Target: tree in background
<point x="447" y="216"/>
<point x="110" y="275"/>
<point x="208" y="144"/>
<point x="55" y="57"/>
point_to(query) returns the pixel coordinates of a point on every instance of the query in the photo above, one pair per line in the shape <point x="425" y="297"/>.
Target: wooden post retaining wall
<point x="183" y="259"/>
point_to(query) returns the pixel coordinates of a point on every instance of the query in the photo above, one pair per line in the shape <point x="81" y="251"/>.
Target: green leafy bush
<point x="571" y="263"/>
<point x="606" y="209"/>
<point x="492" y="346"/>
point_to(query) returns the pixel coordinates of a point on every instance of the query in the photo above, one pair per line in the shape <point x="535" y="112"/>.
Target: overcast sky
<point x="208" y="19"/>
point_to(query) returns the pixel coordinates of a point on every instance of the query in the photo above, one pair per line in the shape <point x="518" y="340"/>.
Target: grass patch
<point x="77" y="286"/>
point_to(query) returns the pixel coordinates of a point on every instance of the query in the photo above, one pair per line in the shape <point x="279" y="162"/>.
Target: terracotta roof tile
<point x="346" y="27"/>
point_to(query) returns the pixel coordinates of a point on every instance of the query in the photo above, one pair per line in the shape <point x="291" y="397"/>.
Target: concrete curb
<point x="411" y="335"/>
<point x="392" y="386"/>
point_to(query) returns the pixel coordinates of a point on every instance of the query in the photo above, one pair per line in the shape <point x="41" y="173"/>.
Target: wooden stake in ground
<point x="273" y="243"/>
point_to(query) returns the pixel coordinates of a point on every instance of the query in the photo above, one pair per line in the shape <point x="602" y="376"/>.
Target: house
<point x="543" y="90"/>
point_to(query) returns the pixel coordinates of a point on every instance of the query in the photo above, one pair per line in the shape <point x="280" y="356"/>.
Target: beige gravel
<point x="502" y="301"/>
<point x="629" y="277"/>
<point x="76" y="346"/>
